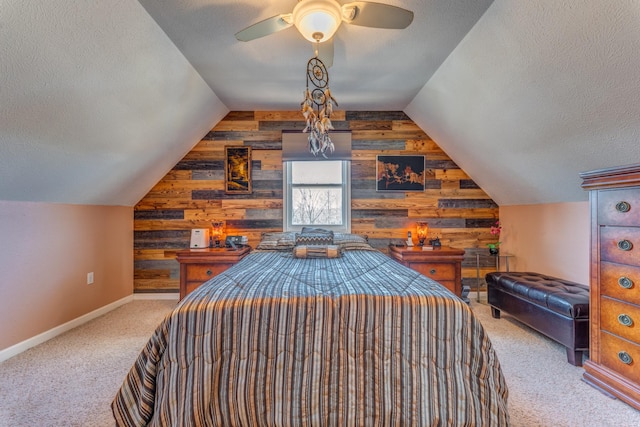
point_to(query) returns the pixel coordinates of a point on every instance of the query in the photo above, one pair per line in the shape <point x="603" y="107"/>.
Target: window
<point x="318" y="194"/>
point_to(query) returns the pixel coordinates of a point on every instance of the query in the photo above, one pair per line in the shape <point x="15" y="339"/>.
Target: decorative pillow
<point x="314" y="239"/>
<point x="306" y="230"/>
<point x="316" y="251"/>
<point x="277" y="241"/>
<point x="348" y="241"/>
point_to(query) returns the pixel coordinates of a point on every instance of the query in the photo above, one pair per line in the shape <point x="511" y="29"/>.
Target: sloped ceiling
<point x="98" y="100"/>
<point x="536" y="93"/>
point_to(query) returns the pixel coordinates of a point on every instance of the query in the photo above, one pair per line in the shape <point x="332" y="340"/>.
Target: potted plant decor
<point x="495" y="230"/>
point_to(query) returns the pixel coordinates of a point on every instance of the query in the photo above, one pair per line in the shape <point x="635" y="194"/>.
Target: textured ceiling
<point x="98" y="100"/>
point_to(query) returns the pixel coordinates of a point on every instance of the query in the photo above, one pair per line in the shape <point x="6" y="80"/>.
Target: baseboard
<point x="51" y="333"/>
<point x="157" y="295"/>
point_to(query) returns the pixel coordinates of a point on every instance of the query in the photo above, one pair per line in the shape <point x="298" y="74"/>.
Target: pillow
<point x="316" y="230"/>
<point x="314" y="239"/>
<point x="316" y="251"/>
<point x="348" y="241"/>
<point x="277" y="241"/>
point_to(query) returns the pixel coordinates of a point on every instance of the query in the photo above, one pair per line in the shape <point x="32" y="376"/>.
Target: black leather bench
<point x="554" y="307"/>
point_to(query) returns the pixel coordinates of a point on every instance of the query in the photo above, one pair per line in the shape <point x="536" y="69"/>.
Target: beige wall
<point x="551" y="239"/>
<point x="46" y="251"/>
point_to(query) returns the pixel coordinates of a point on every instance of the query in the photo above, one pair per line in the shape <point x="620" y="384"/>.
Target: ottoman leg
<point x="574" y="356"/>
<point x="495" y="313"/>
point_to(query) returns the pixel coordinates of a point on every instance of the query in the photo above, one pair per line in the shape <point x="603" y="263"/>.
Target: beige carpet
<point x="71" y="380"/>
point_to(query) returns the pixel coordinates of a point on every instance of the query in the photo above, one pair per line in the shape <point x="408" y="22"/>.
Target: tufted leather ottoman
<point x="554" y="307"/>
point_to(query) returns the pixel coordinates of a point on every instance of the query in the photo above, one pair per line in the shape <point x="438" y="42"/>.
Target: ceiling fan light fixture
<point x="317" y="20"/>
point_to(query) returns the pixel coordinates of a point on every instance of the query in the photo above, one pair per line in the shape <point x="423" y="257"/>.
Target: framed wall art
<point x="400" y="173"/>
<point x="237" y="166"/>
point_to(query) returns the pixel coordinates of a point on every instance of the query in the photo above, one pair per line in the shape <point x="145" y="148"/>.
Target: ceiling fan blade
<point x="265" y="27"/>
<point x="324" y="52"/>
<point x="376" y="15"/>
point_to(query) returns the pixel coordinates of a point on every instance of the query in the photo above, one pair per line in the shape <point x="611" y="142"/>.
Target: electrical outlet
<point x="89" y="278"/>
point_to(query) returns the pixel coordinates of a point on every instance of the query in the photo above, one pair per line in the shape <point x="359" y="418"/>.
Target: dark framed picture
<point x="400" y="173"/>
<point x="237" y="166"/>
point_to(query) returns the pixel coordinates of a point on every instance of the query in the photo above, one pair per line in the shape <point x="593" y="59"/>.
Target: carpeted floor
<point x="71" y="379"/>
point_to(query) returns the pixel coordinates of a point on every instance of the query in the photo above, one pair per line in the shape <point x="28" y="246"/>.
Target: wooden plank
<point x="214" y="146"/>
<point x="158" y="214"/>
<point x="177" y="174"/>
<point x="376" y="115"/>
<point x="149" y="254"/>
<point x="383" y="134"/>
<point x="264" y="214"/>
<point x="171" y="203"/>
<point x="155" y="285"/>
<point x="298" y="124"/>
<point x="240" y="115"/>
<point x="236" y="125"/>
<point x="451" y="174"/>
<point x="376" y="146"/>
<point x="204" y="175"/>
<point x="152" y="274"/>
<point x="251" y="204"/>
<point x="244" y="136"/>
<point x="183" y="224"/>
<point x="370" y="125"/>
<point x="199" y="164"/>
<point x="466" y="203"/>
<point x="208" y="215"/>
<point x="189" y="185"/>
<point x="406" y="125"/>
<point x="467" y="184"/>
<point x="491" y="213"/>
<point x="377" y="213"/>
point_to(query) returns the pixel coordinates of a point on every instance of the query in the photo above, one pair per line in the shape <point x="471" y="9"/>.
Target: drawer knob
<point x="623" y="206"/>
<point x="625" y="282"/>
<point x="625" y="320"/>
<point x="209" y="272"/>
<point x="625" y="245"/>
<point x="625" y="358"/>
<point x="432" y="271"/>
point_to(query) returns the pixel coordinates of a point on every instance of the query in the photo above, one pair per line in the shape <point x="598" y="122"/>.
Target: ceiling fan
<point x="318" y="20"/>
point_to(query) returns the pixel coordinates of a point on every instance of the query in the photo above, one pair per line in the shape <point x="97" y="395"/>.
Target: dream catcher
<point x="317" y="107"/>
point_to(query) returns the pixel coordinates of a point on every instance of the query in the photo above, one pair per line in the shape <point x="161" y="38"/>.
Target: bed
<point x="316" y="338"/>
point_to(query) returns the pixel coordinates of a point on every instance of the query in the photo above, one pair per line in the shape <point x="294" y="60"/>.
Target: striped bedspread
<point x="358" y="340"/>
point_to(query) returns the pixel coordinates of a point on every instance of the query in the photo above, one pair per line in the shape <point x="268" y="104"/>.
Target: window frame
<point x="287" y="198"/>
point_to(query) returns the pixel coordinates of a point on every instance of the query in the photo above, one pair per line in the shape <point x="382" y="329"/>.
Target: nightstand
<point x="444" y="264"/>
<point x="199" y="265"/>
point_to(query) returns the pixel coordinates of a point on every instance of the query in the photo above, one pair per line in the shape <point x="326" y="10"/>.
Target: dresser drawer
<point x="619" y="207"/>
<point x="620" y="281"/>
<point x="621" y="319"/>
<point x="620" y="245"/>
<point x="203" y="272"/>
<point x="620" y="355"/>
<point x="436" y="271"/>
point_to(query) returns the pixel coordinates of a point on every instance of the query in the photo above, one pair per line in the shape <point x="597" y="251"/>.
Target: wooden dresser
<point x="614" y="354"/>
<point x="444" y="264"/>
<point x="199" y="265"/>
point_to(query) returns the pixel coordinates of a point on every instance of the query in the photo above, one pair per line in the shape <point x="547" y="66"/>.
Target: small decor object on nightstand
<point x="435" y="242"/>
<point x="217" y="232"/>
<point x="495" y="230"/>
<point x="409" y="239"/>
<point x="423" y="230"/>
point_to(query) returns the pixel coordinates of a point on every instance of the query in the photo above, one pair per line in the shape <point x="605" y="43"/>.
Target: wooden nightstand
<point x="199" y="265"/>
<point x="444" y="265"/>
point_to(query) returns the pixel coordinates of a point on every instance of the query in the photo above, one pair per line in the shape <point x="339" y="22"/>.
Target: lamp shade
<point x="317" y="20"/>
<point x="422" y="229"/>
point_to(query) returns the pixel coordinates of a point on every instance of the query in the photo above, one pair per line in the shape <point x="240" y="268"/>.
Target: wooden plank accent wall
<point x="192" y="194"/>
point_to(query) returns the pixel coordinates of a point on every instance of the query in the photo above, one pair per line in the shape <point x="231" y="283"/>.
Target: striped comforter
<point x="358" y="340"/>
